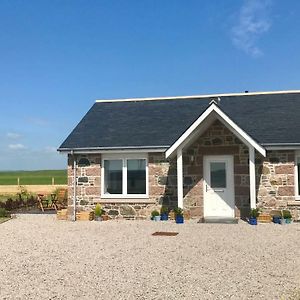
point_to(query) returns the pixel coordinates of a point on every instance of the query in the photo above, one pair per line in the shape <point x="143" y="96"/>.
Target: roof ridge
<point x="197" y="96"/>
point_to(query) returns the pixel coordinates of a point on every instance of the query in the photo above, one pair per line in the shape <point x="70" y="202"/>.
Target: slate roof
<point x="267" y="118"/>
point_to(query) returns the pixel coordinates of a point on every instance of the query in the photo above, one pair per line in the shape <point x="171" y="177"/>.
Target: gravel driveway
<point x="42" y="258"/>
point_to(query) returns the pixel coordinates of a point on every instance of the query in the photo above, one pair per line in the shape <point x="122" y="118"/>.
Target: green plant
<point x="164" y="210"/>
<point x="98" y="210"/>
<point x="286" y="214"/>
<point x="154" y="213"/>
<point x="178" y="211"/>
<point x="254" y="213"/>
<point x="3" y="213"/>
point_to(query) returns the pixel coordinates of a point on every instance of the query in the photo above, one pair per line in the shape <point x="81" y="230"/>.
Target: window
<point x="113" y="176"/>
<point x="136" y="176"/>
<point x="124" y="176"/>
<point x="218" y="175"/>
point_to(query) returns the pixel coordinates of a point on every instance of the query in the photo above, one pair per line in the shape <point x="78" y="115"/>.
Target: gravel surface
<point x="42" y="258"/>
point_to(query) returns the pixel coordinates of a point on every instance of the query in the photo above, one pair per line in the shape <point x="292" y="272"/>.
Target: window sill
<point x="125" y="200"/>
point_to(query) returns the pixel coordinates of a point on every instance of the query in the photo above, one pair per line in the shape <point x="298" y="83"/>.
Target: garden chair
<point x="61" y="198"/>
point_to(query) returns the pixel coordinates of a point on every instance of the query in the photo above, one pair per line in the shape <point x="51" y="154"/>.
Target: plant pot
<point x="179" y="219"/>
<point x="164" y="217"/>
<point x="276" y="219"/>
<point x="105" y="217"/>
<point x="98" y="219"/>
<point x="288" y="221"/>
<point x="282" y="221"/>
<point x="157" y="218"/>
<point x="252" y="221"/>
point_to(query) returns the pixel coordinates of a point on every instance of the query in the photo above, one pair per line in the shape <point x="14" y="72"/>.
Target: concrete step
<point x="220" y="220"/>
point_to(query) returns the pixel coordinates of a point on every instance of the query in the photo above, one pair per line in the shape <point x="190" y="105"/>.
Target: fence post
<point x="18" y="181"/>
<point x="52" y="180"/>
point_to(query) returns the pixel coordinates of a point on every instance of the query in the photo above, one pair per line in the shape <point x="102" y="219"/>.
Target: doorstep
<point x="219" y="220"/>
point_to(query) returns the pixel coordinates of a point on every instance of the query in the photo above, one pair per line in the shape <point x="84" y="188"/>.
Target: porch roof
<point x="212" y="113"/>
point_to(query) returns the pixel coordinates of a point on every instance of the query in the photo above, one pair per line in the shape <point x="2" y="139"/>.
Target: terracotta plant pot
<point x="105" y="217"/>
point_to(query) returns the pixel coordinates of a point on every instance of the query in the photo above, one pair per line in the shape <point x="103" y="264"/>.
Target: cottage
<point x="214" y="155"/>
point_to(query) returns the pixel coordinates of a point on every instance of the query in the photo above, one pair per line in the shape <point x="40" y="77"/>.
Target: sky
<point x="58" y="57"/>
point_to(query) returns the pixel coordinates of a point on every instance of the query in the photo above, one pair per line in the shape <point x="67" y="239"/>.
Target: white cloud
<point x="253" y="22"/>
<point x="16" y="146"/>
<point x="13" y="135"/>
<point x="50" y="149"/>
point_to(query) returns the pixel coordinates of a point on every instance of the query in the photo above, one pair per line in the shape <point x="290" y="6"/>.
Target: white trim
<point x="252" y="177"/>
<point x="297" y="196"/>
<point x="223" y="118"/>
<point x="125" y="200"/>
<point x="124" y="157"/>
<point x="283" y="147"/>
<point x="74" y="187"/>
<point x="196" y="96"/>
<point x="179" y="178"/>
<point x="115" y="150"/>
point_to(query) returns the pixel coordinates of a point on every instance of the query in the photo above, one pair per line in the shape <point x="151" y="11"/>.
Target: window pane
<point x="113" y="176"/>
<point x="136" y="176"/>
<point x="218" y="175"/>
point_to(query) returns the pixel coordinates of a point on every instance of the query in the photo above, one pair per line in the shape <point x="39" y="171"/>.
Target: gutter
<point x="282" y="146"/>
<point x="74" y="186"/>
<point x="114" y="149"/>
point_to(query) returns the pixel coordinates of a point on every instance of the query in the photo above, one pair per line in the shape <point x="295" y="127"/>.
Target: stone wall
<point x="162" y="187"/>
<point x="217" y="140"/>
<point x="275" y="181"/>
<point x="274" y="175"/>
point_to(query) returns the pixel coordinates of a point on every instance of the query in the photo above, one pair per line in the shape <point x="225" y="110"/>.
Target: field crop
<point x="42" y="177"/>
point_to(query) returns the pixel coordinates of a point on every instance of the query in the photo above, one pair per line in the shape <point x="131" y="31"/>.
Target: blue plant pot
<point x="164" y="217"/>
<point x="288" y="221"/>
<point x="276" y="219"/>
<point x="252" y="221"/>
<point x="282" y="221"/>
<point x="157" y="218"/>
<point x="179" y="219"/>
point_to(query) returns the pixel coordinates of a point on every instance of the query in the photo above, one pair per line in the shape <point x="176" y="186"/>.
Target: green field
<point x="43" y="177"/>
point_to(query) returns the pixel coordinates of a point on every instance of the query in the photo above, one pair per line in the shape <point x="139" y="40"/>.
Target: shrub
<point x="178" y="211"/>
<point x="3" y="213"/>
<point x="154" y="213"/>
<point x="164" y="210"/>
<point x="98" y="210"/>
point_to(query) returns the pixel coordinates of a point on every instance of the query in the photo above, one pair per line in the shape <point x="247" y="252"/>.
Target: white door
<point x="218" y="186"/>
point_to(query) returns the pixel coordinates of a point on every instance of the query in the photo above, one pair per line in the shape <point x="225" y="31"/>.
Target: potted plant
<point x="276" y="219"/>
<point x="155" y="215"/>
<point x="254" y="213"/>
<point x="178" y="215"/>
<point x="98" y="212"/>
<point x="164" y="213"/>
<point x="287" y="216"/>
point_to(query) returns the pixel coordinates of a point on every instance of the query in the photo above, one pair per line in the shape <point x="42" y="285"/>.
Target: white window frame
<point x="297" y="195"/>
<point x="124" y="158"/>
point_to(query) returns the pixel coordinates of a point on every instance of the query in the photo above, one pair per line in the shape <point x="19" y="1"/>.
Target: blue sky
<point x="57" y="57"/>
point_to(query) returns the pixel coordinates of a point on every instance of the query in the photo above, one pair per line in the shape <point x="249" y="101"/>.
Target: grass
<point x="4" y="219"/>
<point x="42" y="177"/>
